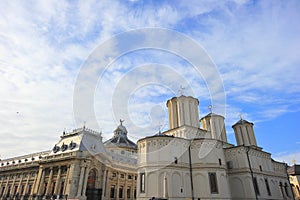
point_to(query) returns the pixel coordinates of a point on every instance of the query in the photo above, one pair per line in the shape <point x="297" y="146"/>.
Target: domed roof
<point x="120" y="130"/>
<point x="120" y="138"/>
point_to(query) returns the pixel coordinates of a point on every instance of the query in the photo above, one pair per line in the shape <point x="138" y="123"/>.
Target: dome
<point x="120" y="138"/>
<point x="120" y="130"/>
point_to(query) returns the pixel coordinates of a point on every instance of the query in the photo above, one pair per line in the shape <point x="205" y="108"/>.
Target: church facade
<point x="185" y="162"/>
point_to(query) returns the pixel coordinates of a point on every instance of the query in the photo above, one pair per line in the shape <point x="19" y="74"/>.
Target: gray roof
<point x="242" y="121"/>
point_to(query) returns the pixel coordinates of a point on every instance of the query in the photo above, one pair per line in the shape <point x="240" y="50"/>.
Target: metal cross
<point x="121" y="121"/>
<point x="240" y="115"/>
<point x="181" y="90"/>
<point x="210" y="107"/>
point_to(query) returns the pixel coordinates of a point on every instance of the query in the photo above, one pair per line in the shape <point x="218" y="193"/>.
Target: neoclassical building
<point x="80" y="166"/>
<point x="188" y="161"/>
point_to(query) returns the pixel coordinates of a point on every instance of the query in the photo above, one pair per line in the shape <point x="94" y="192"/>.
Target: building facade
<point x="294" y="173"/>
<point x="80" y="166"/>
<point x="198" y="163"/>
<point x="185" y="162"/>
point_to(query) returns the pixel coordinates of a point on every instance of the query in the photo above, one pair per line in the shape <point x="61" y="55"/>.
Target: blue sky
<point x="44" y="46"/>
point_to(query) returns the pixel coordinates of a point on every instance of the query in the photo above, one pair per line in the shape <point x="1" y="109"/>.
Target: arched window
<point x="91" y="191"/>
<point x="213" y="182"/>
<point x="91" y="179"/>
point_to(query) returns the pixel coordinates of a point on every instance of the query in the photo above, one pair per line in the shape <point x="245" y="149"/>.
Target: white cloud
<point x="288" y="158"/>
<point x="43" y="45"/>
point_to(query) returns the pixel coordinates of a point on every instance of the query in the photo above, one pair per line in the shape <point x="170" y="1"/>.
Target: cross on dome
<point x="181" y="90"/>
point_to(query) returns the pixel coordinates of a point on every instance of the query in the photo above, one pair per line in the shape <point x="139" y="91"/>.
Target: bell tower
<point x="215" y="125"/>
<point x="244" y="133"/>
<point x="183" y="111"/>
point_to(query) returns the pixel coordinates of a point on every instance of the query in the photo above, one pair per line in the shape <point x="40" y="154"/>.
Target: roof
<point x="120" y="138"/>
<point x="241" y="121"/>
<point x="211" y="114"/>
<point x="159" y="134"/>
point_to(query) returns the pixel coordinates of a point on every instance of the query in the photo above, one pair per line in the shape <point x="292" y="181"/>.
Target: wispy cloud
<point x="288" y="158"/>
<point x="44" y="44"/>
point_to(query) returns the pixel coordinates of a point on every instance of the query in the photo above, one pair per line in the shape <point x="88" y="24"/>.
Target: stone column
<point x="1" y="192"/>
<point x="13" y="186"/>
<point x="41" y="183"/>
<point x="118" y="185"/>
<point x="49" y="181"/>
<point x="125" y="187"/>
<point x="66" y="180"/>
<point x="57" y="186"/>
<point x="38" y="180"/>
<point x="104" y="183"/>
<point x="80" y="181"/>
<point x="86" y="174"/>
<point x="20" y="184"/>
<point x="6" y="186"/>
<point x="26" y="184"/>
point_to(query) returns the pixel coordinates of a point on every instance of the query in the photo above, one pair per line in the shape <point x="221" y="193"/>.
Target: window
<point x="213" y="182"/>
<point x="29" y="189"/>
<point x="112" y="191"/>
<point x="220" y="161"/>
<point x="286" y="189"/>
<point x="122" y="176"/>
<point x="15" y="191"/>
<point x="134" y="193"/>
<point x="256" y="189"/>
<point x="142" y="182"/>
<point x="22" y="189"/>
<point x="128" y="192"/>
<point x="45" y="188"/>
<point x="281" y="188"/>
<point x="129" y="177"/>
<point x="62" y="187"/>
<point x="121" y="192"/>
<point x="268" y="187"/>
<point x="8" y="191"/>
<point x="260" y="168"/>
<point x="175" y="160"/>
<point x="114" y="174"/>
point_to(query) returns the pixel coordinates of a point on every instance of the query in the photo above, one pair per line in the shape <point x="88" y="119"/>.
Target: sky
<point x="65" y="64"/>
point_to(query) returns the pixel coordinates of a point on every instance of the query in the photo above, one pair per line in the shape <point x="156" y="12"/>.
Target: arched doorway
<point x="92" y="193"/>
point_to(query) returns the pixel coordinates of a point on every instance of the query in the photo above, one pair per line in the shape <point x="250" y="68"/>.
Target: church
<point x="188" y="161"/>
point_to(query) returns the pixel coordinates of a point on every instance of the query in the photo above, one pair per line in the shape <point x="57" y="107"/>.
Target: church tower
<point x="214" y="124"/>
<point x="183" y="110"/>
<point x="244" y="133"/>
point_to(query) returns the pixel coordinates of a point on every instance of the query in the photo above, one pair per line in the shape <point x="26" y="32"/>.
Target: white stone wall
<point x="168" y="157"/>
